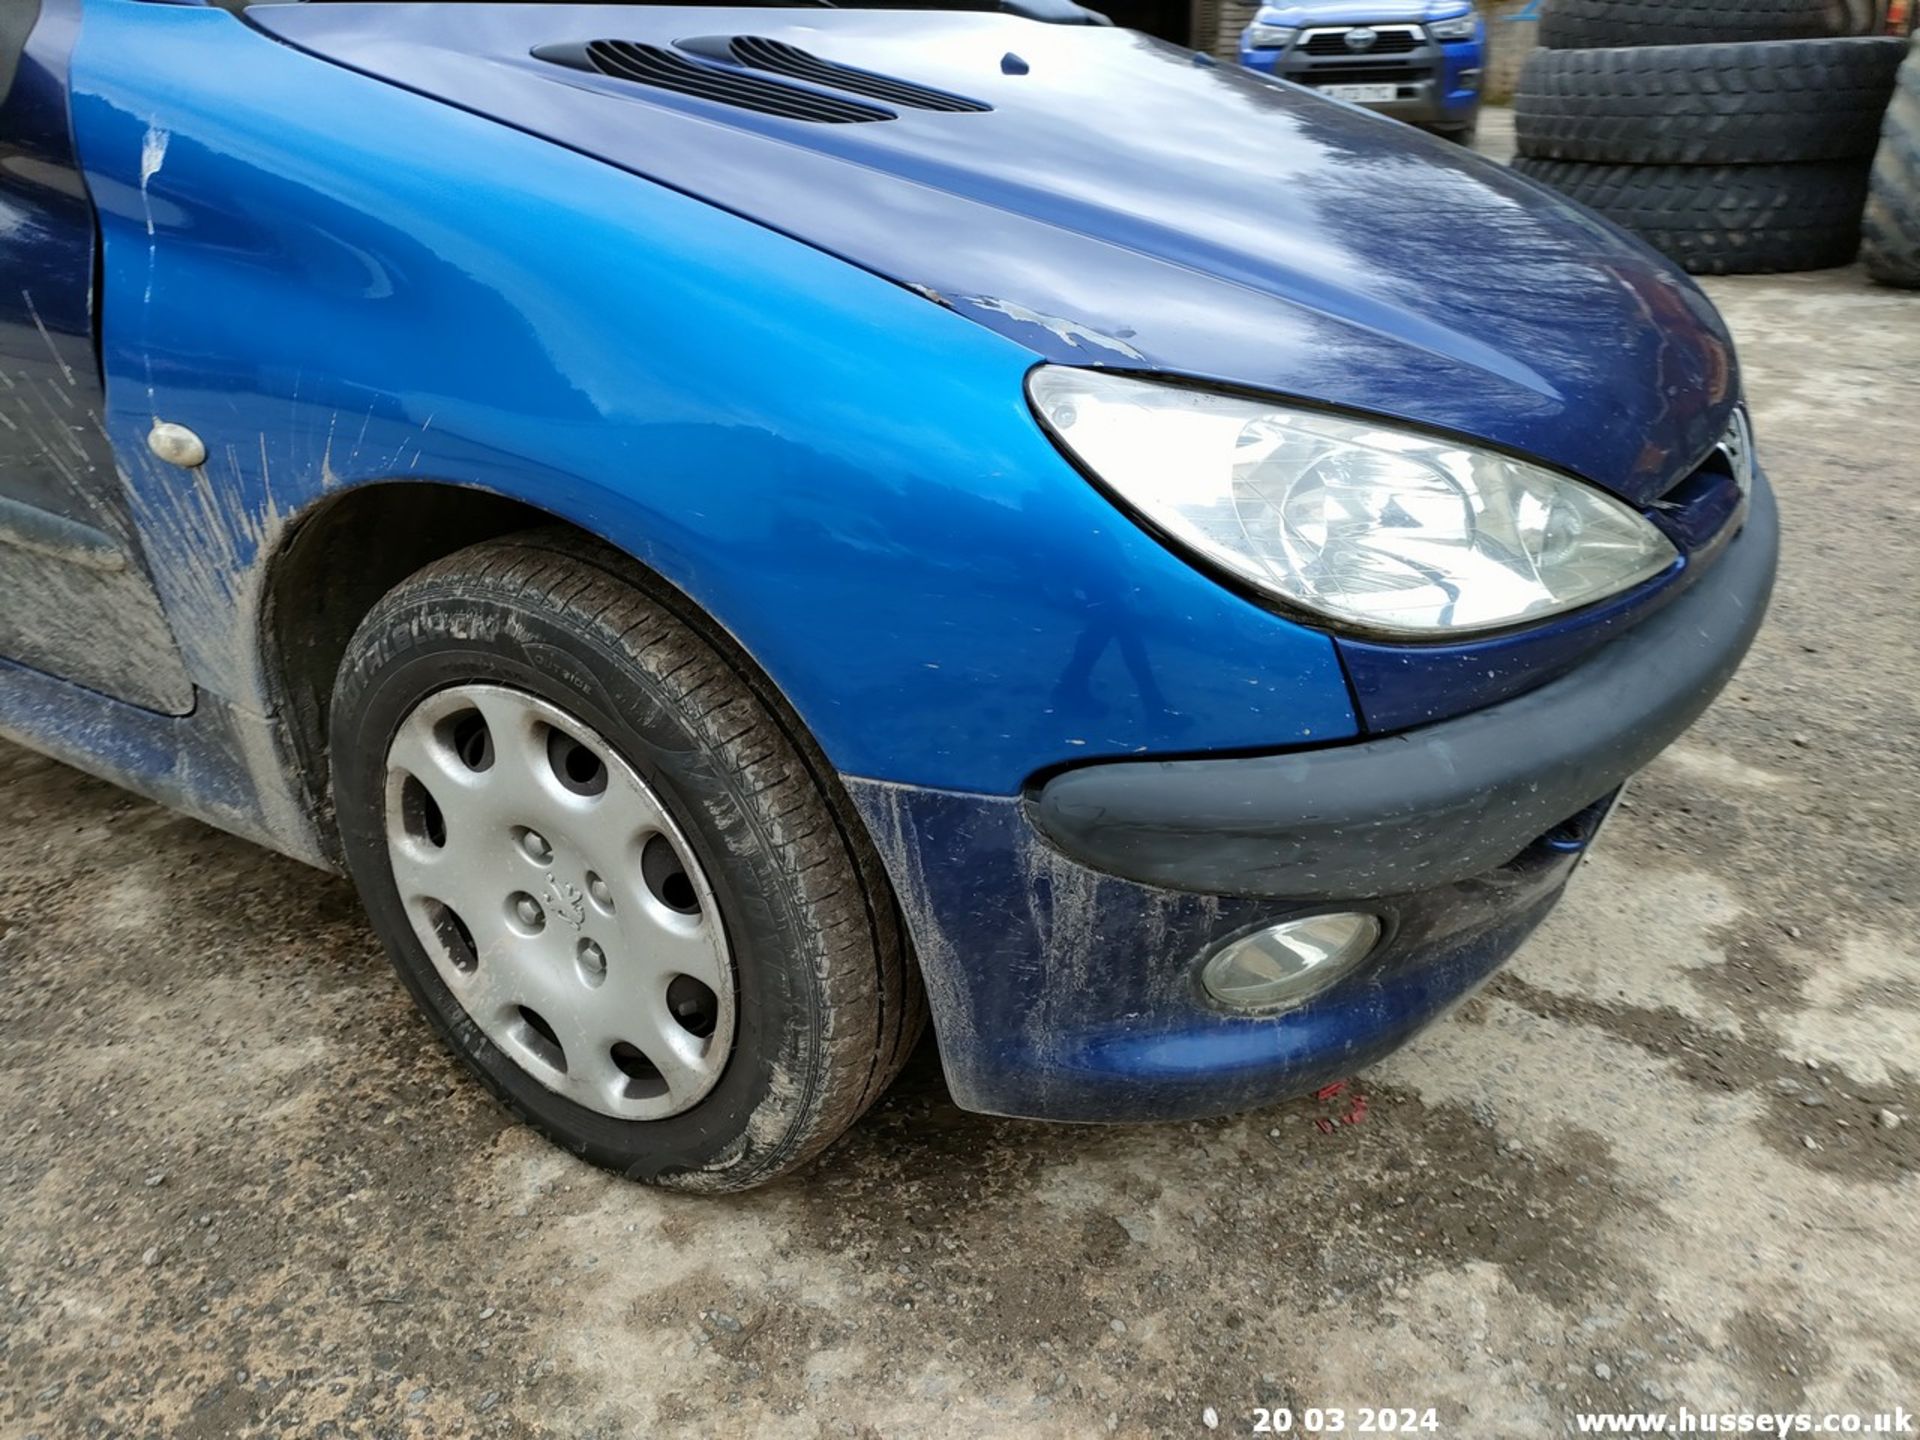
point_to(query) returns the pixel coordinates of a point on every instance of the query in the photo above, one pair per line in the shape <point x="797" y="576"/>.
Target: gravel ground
<point x="1667" y="1158"/>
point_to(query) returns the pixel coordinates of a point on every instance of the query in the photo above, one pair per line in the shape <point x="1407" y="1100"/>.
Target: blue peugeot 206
<point x="741" y="527"/>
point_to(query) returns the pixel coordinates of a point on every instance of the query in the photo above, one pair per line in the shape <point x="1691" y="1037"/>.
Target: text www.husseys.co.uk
<point x="1897" y="1421"/>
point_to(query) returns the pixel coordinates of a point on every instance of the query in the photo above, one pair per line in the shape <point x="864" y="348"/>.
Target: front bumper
<point x="1436" y="85"/>
<point x="1060" y="936"/>
<point x="1435" y="804"/>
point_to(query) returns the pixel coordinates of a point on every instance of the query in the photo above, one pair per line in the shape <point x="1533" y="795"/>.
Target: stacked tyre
<point x="1892" y="226"/>
<point x="1733" y="135"/>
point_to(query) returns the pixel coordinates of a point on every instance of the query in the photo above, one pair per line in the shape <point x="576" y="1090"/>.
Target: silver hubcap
<point x="559" y="901"/>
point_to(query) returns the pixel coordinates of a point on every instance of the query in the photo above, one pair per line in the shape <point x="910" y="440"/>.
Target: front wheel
<point x="610" y="873"/>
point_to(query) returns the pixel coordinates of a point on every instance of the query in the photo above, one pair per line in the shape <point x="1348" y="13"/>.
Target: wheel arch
<point x="332" y="564"/>
<point x="348" y="549"/>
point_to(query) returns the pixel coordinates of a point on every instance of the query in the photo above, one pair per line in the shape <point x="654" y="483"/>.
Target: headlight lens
<point x="1271" y="37"/>
<point x="1455" y="27"/>
<point x="1376" y="527"/>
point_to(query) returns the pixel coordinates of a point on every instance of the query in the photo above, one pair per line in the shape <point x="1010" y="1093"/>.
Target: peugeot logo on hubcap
<point x="566" y="901"/>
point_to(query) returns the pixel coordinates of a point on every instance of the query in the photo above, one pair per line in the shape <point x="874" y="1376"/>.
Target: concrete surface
<point x="1494" y="138"/>
<point x="1668" y="1157"/>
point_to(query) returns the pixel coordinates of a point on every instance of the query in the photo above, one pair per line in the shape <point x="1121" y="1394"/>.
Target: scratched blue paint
<point x="1070" y="995"/>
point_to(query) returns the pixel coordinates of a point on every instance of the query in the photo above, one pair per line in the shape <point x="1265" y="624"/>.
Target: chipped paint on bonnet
<point x="1069" y="332"/>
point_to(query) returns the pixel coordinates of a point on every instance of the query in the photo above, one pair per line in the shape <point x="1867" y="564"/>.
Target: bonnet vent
<point x="665" y="70"/>
<point x="784" y="59"/>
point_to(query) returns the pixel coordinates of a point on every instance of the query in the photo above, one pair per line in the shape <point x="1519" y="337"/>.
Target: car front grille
<point x="1387" y="40"/>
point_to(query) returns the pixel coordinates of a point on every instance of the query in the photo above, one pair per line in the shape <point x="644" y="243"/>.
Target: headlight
<point x="1455" y="27"/>
<point x="1271" y="37"/>
<point x="1372" y="526"/>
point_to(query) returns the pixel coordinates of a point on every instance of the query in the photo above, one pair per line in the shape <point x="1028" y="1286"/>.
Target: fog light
<point x="1285" y="964"/>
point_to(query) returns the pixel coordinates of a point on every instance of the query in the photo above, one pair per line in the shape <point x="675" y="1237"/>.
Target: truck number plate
<point x="1361" y="93"/>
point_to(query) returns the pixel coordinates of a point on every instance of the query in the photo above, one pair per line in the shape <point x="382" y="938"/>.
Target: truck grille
<point x="1387" y="40"/>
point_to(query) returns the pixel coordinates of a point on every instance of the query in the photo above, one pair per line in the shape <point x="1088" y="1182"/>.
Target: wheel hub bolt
<point x="601" y="892"/>
<point x="536" y="847"/>
<point x="528" y="910"/>
<point x="592" y="958"/>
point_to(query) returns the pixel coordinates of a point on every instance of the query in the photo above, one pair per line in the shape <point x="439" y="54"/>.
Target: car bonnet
<point x="1116" y="201"/>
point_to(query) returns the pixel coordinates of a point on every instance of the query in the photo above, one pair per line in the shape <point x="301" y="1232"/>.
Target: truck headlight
<point x="1375" y="527"/>
<point x="1455" y="27"/>
<point x="1271" y="37"/>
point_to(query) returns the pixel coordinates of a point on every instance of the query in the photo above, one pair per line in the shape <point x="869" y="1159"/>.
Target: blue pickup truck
<point x="1421" y="61"/>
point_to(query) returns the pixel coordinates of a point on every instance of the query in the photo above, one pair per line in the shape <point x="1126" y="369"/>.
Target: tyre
<point x="1706" y="104"/>
<point x="1890" y="231"/>
<point x="611" y="871"/>
<point x="1584" y="24"/>
<point x="1724" y="220"/>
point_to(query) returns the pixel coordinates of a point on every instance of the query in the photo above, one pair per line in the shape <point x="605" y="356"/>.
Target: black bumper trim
<point x="1433" y="805"/>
